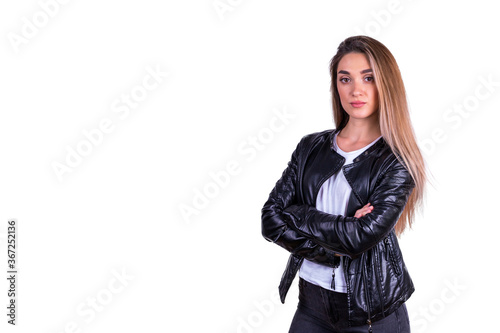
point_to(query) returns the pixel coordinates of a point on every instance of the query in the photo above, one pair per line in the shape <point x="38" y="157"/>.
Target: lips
<point x="357" y="104"/>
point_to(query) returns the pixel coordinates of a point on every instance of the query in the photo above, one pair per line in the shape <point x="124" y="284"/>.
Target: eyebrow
<point x="369" y="70"/>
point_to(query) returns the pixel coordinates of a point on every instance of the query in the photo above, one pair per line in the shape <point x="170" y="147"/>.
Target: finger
<point x="361" y="212"/>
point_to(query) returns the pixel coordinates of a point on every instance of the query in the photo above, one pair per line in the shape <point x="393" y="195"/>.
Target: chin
<point x="361" y="115"/>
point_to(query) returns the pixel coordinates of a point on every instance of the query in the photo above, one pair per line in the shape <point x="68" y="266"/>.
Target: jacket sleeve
<point x="349" y="235"/>
<point x="274" y="227"/>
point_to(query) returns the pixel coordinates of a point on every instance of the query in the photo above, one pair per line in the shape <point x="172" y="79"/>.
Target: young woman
<point x="344" y="198"/>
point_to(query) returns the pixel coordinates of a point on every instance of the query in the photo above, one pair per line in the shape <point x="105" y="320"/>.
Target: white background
<point x="229" y="72"/>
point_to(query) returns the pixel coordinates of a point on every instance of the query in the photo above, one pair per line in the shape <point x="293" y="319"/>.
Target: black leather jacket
<point x="377" y="279"/>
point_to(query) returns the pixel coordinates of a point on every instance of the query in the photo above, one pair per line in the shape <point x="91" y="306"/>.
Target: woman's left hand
<point x="368" y="208"/>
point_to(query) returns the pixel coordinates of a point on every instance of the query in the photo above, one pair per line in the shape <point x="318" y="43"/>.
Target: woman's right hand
<point x="368" y="208"/>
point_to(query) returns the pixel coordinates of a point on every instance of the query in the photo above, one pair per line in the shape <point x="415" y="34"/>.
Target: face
<point x="356" y="86"/>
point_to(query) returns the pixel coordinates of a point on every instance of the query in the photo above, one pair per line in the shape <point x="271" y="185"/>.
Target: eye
<point x="369" y="78"/>
<point x="344" y="79"/>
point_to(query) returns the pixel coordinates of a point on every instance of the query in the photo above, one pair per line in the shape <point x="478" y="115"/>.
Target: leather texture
<point x="377" y="279"/>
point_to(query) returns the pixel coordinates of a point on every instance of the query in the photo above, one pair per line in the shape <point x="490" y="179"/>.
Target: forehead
<point x="353" y="62"/>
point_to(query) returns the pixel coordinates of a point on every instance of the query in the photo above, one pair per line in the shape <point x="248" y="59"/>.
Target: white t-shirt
<point x="332" y="199"/>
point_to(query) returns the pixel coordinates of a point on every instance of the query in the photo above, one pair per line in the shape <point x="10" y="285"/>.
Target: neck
<point x="361" y="130"/>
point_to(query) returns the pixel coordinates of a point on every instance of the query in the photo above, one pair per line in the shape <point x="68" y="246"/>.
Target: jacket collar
<point x="380" y="144"/>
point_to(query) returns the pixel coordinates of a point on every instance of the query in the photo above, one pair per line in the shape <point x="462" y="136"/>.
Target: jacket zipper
<point x="316" y="191"/>
<point x="369" y="320"/>
<point x="333" y="279"/>
<point x="379" y="289"/>
<point x="389" y="253"/>
<point x="336" y="265"/>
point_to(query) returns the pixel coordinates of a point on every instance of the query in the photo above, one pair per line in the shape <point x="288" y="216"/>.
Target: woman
<point x="345" y="197"/>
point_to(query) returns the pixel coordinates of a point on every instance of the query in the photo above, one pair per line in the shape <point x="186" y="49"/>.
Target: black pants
<point x="325" y="311"/>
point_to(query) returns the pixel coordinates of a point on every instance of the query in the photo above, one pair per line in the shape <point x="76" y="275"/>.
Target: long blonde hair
<point x="394" y="116"/>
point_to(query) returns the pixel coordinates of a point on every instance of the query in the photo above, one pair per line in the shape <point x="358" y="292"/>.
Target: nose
<point x="357" y="88"/>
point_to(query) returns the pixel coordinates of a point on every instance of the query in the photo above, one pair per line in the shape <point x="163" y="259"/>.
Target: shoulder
<point x="316" y="137"/>
<point x="391" y="163"/>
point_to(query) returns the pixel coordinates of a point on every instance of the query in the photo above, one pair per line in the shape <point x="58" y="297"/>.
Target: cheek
<point x="342" y="94"/>
<point x="375" y="95"/>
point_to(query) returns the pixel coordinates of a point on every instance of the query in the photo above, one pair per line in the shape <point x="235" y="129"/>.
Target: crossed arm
<point x="274" y="226"/>
<point x="352" y="236"/>
<point x="303" y="230"/>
